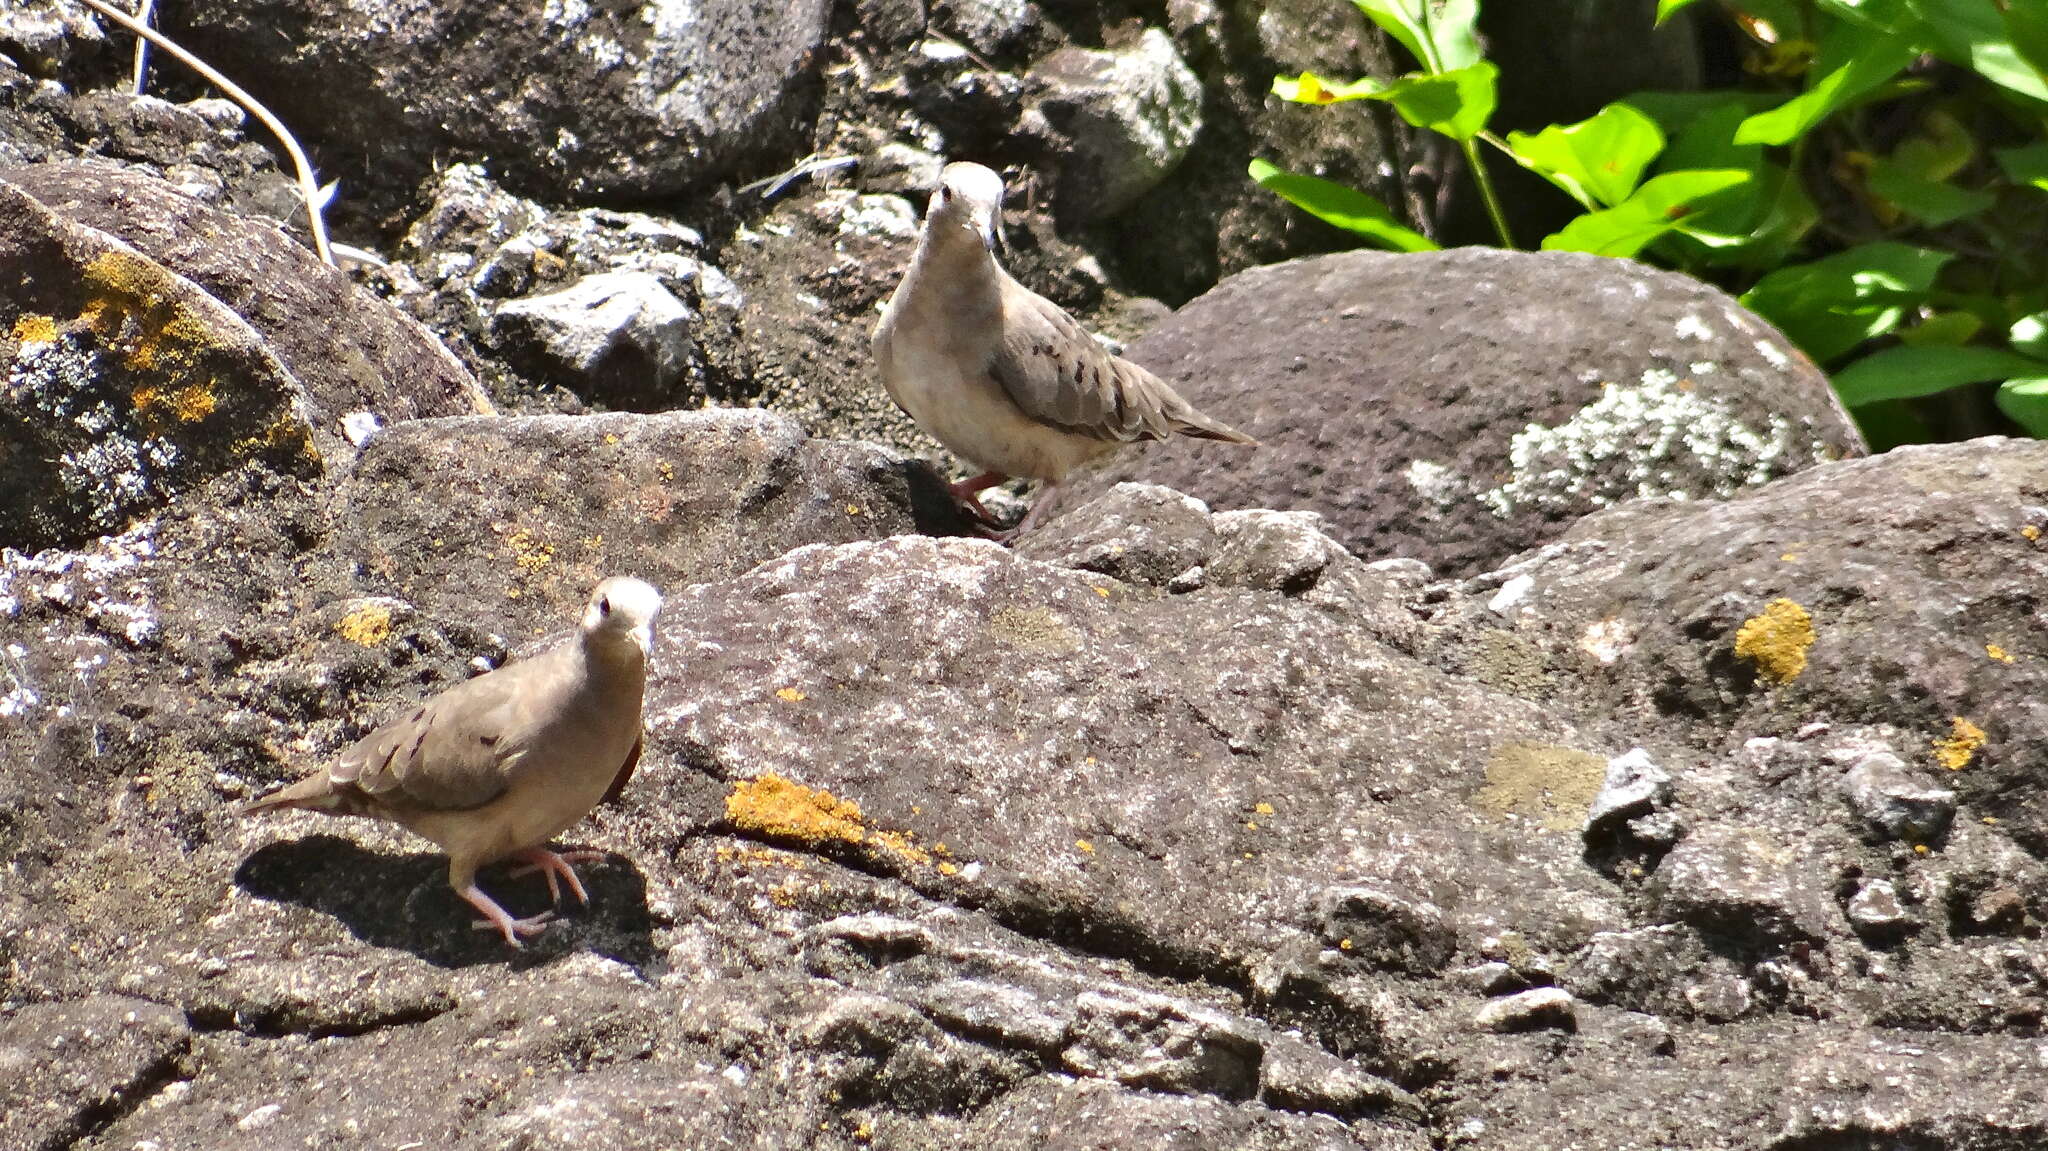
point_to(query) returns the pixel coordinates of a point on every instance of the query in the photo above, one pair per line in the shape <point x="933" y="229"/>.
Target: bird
<point x="496" y="766"/>
<point x="1001" y="375"/>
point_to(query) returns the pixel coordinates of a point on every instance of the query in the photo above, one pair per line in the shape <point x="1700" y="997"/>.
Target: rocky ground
<point x="1557" y="735"/>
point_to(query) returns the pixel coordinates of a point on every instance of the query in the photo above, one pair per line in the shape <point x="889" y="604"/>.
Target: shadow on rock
<point x="404" y="902"/>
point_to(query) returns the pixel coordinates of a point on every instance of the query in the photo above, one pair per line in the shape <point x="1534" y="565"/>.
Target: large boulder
<point x="566" y="98"/>
<point x="1457" y="407"/>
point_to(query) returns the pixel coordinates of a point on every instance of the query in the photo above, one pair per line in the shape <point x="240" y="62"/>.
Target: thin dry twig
<point x="309" y="189"/>
<point x="809" y="165"/>
<point x="144" y="10"/>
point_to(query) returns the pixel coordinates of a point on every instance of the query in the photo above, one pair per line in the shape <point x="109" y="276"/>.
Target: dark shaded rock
<point x="354" y="356"/>
<point x="1155" y="1043"/>
<point x="1138" y="533"/>
<point x="1740" y="884"/>
<point x="126" y="384"/>
<point x="67" y="1069"/>
<point x="1117" y="123"/>
<point x="1054" y="1115"/>
<point x="620" y="339"/>
<point x="1459" y="406"/>
<point x="639" y="102"/>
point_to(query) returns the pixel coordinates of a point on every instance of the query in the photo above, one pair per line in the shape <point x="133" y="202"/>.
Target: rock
<point x="50" y="39"/>
<point x="1540" y="1008"/>
<point x="1635" y="787"/>
<point x="68" y="1067"/>
<point x="1154" y="1043"/>
<point x="126" y="384"/>
<point x="1875" y="912"/>
<point x="1118" y="122"/>
<point x="1894" y="802"/>
<point x="349" y="351"/>
<point x="987" y="26"/>
<point x="618" y="338"/>
<point x="478" y="514"/>
<point x="1741" y="886"/>
<point x="1655" y="384"/>
<point x="637" y="103"/>
<point x="1384" y="931"/>
<point x="1138" y="533"/>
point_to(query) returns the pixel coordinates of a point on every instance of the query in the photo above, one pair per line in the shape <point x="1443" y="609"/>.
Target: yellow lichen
<point x="528" y="551"/>
<point x="1956" y="749"/>
<point x="1998" y="653"/>
<point x="903" y="844"/>
<point x="1034" y="629"/>
<point x="35" y="329"/>
<point x="2031" y="532"/>
<point x="1084" y="847"/>
<point x="1549" y="784"/>
<point x="1776" y="640"/>
<point x="368" y="625"/>
<point x="1262" y="808"/>
<point x="772" y="805"/>
<point x="187" y="404"/>
<point x="790" y="695"/>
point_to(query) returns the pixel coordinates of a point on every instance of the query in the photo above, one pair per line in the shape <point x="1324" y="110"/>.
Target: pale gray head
<point x="968" y="196"/>
<point x="622" y="607"/>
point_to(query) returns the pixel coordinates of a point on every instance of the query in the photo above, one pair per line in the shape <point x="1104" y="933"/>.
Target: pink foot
<point x="553" y="864"/>
<point x="497" y="917"/>
<point x="968" y="494"/>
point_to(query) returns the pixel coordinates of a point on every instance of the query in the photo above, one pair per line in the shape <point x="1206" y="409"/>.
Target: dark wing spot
<point x="487" y="740"/>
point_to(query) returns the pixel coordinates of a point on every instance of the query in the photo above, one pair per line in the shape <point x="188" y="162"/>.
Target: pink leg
<point x="551" y="864"/>
<point x="1038" y="508"/>
<point x="968" y="493"/>
<point x="495" y="916"/>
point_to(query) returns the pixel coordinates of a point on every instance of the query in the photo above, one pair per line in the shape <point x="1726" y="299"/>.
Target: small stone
<point x="609" y="335"/>
<point x="1541" y="1008"/>
<point x="1403" y="571"/>
<point x="1875" y="911"/>
<point x="260" y="1118"/>
<point x="1635" y="786"/>
<point x="1119" y="122"/>
<point x="1894" y="802"/>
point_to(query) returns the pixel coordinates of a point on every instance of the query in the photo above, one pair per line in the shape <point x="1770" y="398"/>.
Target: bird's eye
<point x="604" y="606"/>
<point x="945" y="193"/>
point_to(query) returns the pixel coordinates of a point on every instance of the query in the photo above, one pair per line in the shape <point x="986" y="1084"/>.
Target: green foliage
<point x="1878" y="187"/>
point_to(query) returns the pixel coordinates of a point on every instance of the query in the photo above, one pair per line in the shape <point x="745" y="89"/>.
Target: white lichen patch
<point x="856" y="214"/>
<point x="117" y="467"/>
<point x="1773" y="354"/>
<point x="1657" y="438"/>
<point x="1691" y="327"/>
<point x="1437" y="483"/>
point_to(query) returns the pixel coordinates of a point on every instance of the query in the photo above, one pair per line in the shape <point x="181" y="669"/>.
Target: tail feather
<point x="1194" y="425"/>
<point x="316" y="792"/>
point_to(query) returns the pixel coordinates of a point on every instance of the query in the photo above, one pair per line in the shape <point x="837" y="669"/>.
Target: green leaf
<point x="2025" y="165"/>
<point x="1832" y="304"/>
<point x="1598" y="161"/>
<point x="1656" y="208"/>
<point x="1972" y="34"/>
<point x="1894" y="16"/>
<point x="2026" y="401"/>
<point x="1931" y="202"/>
<point x="1440" y="34"/>
<point x="1309" y="88"/>
<point x="1347" y="208"/>
<point x="1456" y="103"/>
<point x="1853" y="60"/>
<point x="1666" y="8"/>
<point x="1903" y="372"/>
<point x="2026" y="25"/>
<point x="1676" y="111"/>
<point x="1942" y="330"/>
<point x="2029" y="334"/>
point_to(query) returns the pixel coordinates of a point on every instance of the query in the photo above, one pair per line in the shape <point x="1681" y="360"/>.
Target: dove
<point x="495" y="767"/>
<point x="1001" y="375"/>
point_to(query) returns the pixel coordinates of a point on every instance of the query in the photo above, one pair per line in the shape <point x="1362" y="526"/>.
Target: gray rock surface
<point x="1457" y="407"/>
<point x="639" y="101"/>
<point x="619" y="338"/>
<point x="1120" y="122"/>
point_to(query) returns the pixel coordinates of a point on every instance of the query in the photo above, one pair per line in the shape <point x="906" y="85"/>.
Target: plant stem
<point x="1486" y="193"/>
<point x="309" y="189"/>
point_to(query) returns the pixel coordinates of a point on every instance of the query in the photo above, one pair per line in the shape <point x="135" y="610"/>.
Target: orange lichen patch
<point x="2031" y="531"/>
<point x="1776" y="640"/>
<point x="790" y="695"/>
<point x="528" y="551"/>
<point x="1262" y="808"/>
<point x="1956" y="749"/>
<point x="367" y="626"/>
<point x="35" y="329"/>
<point x="1542" y="782"/>
<point x="1085" y="847"/>
<point x="764" y="856"/>
<point x="904" y="844"/>
<point x="853" y="509"/>
<point x="772" y="805"/>
<point x="1998" y="653"/>
<point x="188" y="404"/>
